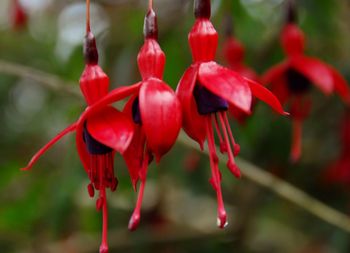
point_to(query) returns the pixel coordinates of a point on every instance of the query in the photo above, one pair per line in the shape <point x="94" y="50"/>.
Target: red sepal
<point x="227" y="84"/>
<point x="192" y="122"/>
<point x="111" y="128"/>
<point x="266" y="96"/>
<point x="160" y="114"/>
<point x="112" y="97"/>
<point x="341" y="86"/>
<point x="315" y="70"/>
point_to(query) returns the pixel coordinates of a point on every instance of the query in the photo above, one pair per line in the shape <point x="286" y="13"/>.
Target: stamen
<point x="136" y="215"/>
<point x="236" y="147"/>
<point x="296" y="140"/>
<point x="223" y="147"/>
<point x="231" y="165"/>
<point x="216" y="176"/>
<point x="104" y="244"/>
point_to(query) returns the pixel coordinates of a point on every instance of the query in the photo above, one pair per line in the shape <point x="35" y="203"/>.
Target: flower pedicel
<point x="206" y="91"/>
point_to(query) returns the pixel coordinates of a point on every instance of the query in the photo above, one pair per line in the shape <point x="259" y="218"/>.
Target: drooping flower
<point x="292" y="79"/>
<point x="206" y="91"/>
<point x="18" y="15"/>
<point x="155" y="111"/>
<point x="101" y="131"/>
<point x="234" y="52"/>
<point x="339" y="171"/>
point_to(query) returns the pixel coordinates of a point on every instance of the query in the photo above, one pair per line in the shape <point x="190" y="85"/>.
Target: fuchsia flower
<point x="292" y="79"/>
<point x="234" y="51"/>
<point x="339" y="171"/>
<point x="100" y="131"/>
<point x="207" y="90"/>
<point x="18" y="15"/>
<point x="154" y="110"/>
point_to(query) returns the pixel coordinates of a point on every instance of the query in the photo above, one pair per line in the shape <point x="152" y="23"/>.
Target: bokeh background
<point x="49" y="210"/>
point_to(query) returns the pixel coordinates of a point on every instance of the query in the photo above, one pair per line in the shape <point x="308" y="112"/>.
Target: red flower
<point x="234" y="51"/>
<point x="206" y="91"/>
<point x="339" y="171"/>
<point x="154" y="110"/>
<point x="100" y="131"/>
<point x="292" y="79"/>
<point x="18" y="15"/>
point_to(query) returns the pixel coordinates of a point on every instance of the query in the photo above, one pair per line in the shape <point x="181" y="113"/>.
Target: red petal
<point x="315" y="70"/>
<point x="161" y="115"/>
<point x="49" y="145"/>
<point x="265" y="95"/>
<point x="112" y="128"/>
<point x="192" y="122"/>
<point x="226" y="83"/>
<point x="133" y="156"/>
<point x="274" y="73"/>
<point x="341" y="86"/>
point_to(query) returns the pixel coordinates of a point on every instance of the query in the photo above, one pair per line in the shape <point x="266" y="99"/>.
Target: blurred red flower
<point x="292" y="79"/>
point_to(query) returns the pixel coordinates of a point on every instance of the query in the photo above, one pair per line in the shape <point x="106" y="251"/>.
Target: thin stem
<point x="150" y="5"/>
<point x="88" y="29"/>
<point x="223" y="147"/>
<point x="231" y="165"/>
<point x="216" y="176"/>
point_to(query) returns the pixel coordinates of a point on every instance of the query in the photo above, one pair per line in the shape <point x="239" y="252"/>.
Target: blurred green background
<point x="49" y="210"/>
